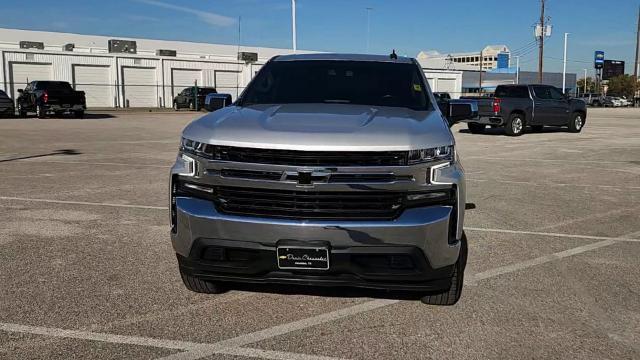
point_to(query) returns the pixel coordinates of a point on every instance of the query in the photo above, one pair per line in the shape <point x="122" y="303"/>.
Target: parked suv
<point x="46" y="97"/>
<point x="187" y="98"/>
<point x="514" y="107"/>
<point x="329" y="170"/>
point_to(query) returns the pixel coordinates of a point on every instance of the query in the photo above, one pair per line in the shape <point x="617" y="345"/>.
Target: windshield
<point x="339" y="82"/>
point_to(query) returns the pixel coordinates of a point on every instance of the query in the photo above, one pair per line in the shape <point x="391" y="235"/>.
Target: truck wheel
<point x="576" y="123"/>
<point x="476" y="128"/>
<point x="451" y="296"/>
<point x="201" y="286"/>
<point x="537" y="128"/>
<point x="175" y="106"/>
<point x="191" y="105"/>
<point x="40" y="112"/>
<point x="78" y="114"/>
<point x="515" y="125"/>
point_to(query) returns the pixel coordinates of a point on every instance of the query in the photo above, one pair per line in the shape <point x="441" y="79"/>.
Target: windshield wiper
<point x="337" y="101"/>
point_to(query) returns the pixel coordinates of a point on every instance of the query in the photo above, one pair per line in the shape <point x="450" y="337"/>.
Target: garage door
<point x="447" y="85"/>
<point x="226" y="82"/>
<point x="182" y="78"/>
<point x="22" y="74"/>
<point x="139" y="87"/>
<point x="95" y="82"/>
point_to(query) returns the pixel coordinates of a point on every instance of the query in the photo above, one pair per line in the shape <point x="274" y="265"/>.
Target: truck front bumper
<point x="415" y="251"/>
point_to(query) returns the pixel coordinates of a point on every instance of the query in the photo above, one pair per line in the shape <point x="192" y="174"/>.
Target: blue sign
<point x="503" y="61"/>
<point x="599" y="59"/>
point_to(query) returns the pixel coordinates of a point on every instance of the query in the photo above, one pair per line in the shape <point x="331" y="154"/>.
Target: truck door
<point x="561" y="107"/>
<point x="545" y="106"/>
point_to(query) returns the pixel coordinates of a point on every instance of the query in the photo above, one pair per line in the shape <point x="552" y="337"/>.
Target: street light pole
<point x="293" y="25"/>
<point x="517" y="69"/>
<point x="564" y="64"/>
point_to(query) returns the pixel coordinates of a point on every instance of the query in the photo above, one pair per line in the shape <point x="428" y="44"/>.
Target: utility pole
<point x="541" y="42"/>
<point x="480" y="80"/>
<point x="293" y="25"/>
<point x="368" y="27"/>
<point x="564" y="64"/>
<point x="585" y="82"/>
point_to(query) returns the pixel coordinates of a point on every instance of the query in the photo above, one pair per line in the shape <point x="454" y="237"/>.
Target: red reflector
<point x="45" y="97"/>
<point x="496" y="105"/>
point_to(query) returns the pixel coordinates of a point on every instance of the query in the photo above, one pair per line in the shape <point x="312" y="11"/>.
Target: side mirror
<point x="20" y="91"/>
<point x="459" y="110"/>
<point x="217" y="101"/>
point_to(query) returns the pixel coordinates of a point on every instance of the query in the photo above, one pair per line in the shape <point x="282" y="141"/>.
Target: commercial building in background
<point x="128" y="72"/>
<point x="493" y="57"/>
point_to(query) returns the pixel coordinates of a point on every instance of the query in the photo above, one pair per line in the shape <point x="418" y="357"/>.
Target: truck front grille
<point x="293" y="204"/>
<point x="309" y="204"/>
<point x="307" y="158"/>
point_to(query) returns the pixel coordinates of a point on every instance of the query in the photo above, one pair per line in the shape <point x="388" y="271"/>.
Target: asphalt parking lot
<point x="87" y="269"/>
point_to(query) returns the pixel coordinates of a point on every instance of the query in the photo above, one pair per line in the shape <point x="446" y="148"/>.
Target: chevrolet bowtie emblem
<point x="307" y="177"/>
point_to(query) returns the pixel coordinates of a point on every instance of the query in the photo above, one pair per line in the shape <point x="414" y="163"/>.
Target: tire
<point x="201" y="286"/>
<point x="476" y="128"/>
<point x="537" y="128"/>
<point x="40" y="112"/>
<point x="576" y="123"/>
<point x="175" y="106"/>
<point x="79" y="114"/>
<point x="192" y="106"/>
<point x="515" y="125"/>
<point x="451" y="296"/>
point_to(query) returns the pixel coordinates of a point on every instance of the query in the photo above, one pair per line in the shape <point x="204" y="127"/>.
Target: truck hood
<point x="321" y="127"/>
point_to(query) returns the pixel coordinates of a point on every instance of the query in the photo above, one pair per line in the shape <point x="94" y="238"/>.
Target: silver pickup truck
<point x="329" y="170"/>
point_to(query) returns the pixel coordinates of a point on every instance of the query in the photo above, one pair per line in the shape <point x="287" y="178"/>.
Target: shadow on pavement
<point x="57" y="152"/>
<point x="500" y="131"/>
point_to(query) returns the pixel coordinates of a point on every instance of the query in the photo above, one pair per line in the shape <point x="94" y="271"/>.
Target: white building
<point x="141" y="79"/>
<point x="467" y="60"/>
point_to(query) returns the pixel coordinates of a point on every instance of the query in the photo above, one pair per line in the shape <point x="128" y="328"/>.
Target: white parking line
<point x="548" y="160"/>
<point x="556" y="184"/>
<point x="104" y="337"/>
<point x="537" y="261"/>
<point x="133" y="166"/>
<point x="83" y="203"/>
<point x="573" y="236"/>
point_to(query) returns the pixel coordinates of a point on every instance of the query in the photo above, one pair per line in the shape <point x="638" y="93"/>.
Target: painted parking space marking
<point x="530" y="183"/>
<point x="11" y="198"/>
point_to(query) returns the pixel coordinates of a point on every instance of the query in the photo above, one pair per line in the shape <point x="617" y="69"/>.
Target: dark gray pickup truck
<point x="515" y="107"/>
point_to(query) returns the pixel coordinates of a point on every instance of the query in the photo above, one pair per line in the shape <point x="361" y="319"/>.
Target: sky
<point x="408" y="26"/>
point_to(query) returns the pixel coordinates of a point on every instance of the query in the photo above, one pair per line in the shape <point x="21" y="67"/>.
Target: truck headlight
<point x="196" y="148"/>
<point x="440" y="153"/>
<point x="185" y="165"/>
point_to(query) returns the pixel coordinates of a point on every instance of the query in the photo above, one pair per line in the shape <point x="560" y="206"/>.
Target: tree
<point x="591" y="85"/>
<point x="623" y="85"/>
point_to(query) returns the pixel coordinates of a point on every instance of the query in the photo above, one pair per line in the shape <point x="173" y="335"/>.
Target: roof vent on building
<point x="248" y="57"/>
<point x="69" y="47"/>
<point x="164" y="52"/>
<point x="31" y="45"/>
<point x="123" y="46"/>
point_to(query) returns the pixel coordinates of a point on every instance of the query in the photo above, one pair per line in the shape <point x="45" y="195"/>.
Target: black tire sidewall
<point x="509" y="126"/>
<point x="572" y="123"/>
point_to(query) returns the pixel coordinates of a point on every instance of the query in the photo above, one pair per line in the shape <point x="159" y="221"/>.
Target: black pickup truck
<point x="187" y="99"/>
<point x="515" y="107"/>
<point x="46" y="97"/>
